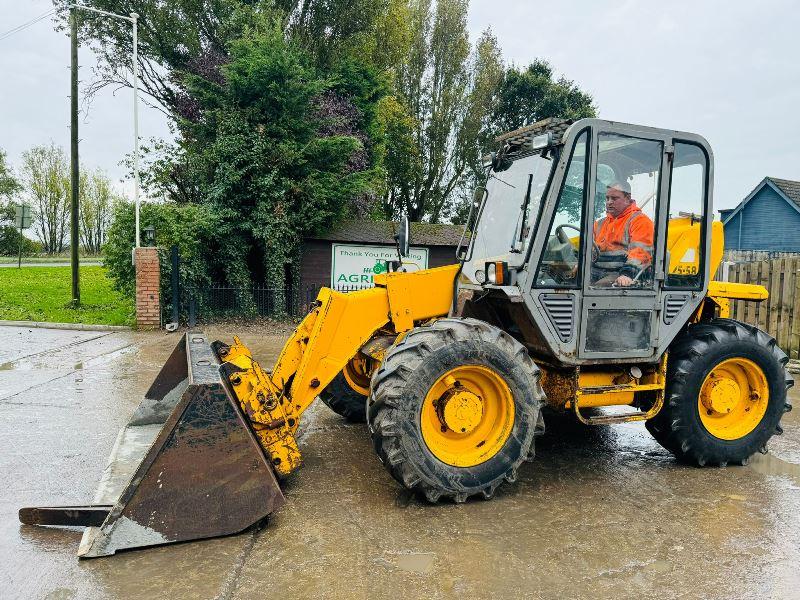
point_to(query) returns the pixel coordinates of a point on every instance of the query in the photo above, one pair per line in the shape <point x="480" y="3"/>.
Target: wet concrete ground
<point x="601" y="512"/>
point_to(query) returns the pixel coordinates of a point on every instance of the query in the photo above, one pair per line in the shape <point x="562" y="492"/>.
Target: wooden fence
<point x="740" y="256"/>
<point x="779" y="315"/>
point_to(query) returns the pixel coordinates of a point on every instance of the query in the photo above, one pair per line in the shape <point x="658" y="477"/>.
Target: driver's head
<point x="618" y="198"/>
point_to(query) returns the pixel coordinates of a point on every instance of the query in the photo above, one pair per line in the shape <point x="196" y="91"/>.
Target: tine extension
<point x="65" y="516"/>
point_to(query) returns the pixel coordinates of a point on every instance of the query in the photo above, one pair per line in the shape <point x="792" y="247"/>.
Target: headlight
<point x="497" y="273"/>
<point x="480" y="276"/>
<point x="491" y="272"/>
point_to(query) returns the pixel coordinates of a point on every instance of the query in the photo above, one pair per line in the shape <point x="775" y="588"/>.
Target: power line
<point x="19" y="28"/>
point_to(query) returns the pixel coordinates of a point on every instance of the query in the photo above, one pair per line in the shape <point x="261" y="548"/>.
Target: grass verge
<point x="44" y="294"/>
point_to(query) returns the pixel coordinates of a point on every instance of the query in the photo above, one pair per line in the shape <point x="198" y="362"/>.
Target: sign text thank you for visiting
<point x="354" y="267"/>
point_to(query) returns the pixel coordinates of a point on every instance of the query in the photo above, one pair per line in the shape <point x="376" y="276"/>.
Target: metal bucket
<point x="187" y="466"/>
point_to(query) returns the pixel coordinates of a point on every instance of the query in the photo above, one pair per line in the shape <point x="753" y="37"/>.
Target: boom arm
<point x="327" y="338"/>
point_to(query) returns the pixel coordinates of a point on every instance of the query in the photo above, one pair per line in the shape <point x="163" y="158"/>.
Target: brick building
<point x="346" y="256"/>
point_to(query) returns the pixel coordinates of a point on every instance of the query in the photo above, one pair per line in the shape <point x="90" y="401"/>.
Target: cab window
<point x="627" y="190"/>
<point x="687" y="200"/>
<point x="560" y="262"/>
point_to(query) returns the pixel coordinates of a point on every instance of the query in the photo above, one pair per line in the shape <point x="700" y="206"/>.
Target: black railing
<point x="209" y="303"/>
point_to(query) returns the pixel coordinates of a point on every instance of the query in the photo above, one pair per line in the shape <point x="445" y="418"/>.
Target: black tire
<point x="406" y="375"/>
<point x="692" y="356"/>
<point x="344" y="400"/>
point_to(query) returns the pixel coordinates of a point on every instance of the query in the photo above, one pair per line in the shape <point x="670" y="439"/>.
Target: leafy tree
<point x="192" y="37"/>
<point x="45" y="180"/>
<point x="175" y="36"/>
<point x="11" y="240"/>
<point x="533" y="93"/>
<point x="279" y="151"/>
<point x="445" y="91"/>
<point x="332" y="29"/>
<point x="193" y="228"/>
<point x="9" y="185"/>
<point x="96" y="199"/>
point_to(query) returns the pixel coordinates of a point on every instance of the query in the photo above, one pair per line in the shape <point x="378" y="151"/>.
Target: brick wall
<point x="148" y="278"/>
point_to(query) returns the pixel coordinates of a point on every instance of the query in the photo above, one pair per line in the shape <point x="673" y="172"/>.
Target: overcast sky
<point x="729" y="71"/>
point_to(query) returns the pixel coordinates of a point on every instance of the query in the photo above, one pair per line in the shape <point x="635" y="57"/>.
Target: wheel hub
<point x="733" y="398"/>
<point x="722" y="395"/>
<point x="467" y="415"/>
<point x="460" y="410"/>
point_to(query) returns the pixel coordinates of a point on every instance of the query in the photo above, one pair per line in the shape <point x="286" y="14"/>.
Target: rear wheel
<point x="347" y="394"/>
<point x="454" y="408"/>
<point x="725" y="396"/>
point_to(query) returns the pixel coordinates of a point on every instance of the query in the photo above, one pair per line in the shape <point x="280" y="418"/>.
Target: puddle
<point x="7" y="366"/>
<point x="769" y="464"/>
<point x="416" y="563"/>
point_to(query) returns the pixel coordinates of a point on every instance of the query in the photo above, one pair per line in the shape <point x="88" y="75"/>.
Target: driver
<point x="624" y="239"/>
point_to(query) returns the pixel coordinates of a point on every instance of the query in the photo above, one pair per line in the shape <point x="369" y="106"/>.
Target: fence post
<point x="176" y="295"/>
<point x="794" y="346"/>
<point x="192" y="310"/>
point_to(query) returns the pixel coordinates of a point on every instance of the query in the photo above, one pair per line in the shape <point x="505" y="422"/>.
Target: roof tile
<point x="788" y="187"/>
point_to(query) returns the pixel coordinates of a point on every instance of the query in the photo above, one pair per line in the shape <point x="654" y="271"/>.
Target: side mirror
<point x="403" y="237"/>
<point x="477" y="195"/>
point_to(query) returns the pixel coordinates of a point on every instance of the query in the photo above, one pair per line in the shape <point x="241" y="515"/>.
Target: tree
<point x="444" y="92"/>
<point x="175" y="36"/>
<point x="97" y="199"/>
<point x="280" y="150"/>
<point x="45" y="180"/>
<point x="192" y="37"/>
<point x="11" y="240"/>
<point x="9" y="185"/>
<point x="532" y="94"/>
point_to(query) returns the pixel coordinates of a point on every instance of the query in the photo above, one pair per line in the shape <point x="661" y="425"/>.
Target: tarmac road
<point x="601" y="512"/>
<point x="51" y="264"/>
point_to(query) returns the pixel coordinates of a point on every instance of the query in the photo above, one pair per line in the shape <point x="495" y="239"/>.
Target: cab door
<point x="628" y="181"/>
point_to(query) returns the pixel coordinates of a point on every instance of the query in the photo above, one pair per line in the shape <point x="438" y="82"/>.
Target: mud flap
<point x="186" y="467"/>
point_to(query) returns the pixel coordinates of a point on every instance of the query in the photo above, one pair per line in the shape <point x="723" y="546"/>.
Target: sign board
<point x="353" y="267"/>
<point x="22" y="216"/>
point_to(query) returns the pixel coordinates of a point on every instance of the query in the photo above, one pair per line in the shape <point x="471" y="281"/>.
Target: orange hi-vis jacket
<point x="625" y="242"/>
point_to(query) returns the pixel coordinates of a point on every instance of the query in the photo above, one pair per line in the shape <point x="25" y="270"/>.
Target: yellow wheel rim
<point x="467" y="416"/>
<point x="733" y="399"/>
<point x="357" y="373"/>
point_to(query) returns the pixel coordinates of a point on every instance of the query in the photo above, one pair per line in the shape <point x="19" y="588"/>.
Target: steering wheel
<point x="562" y="236"/>
<point x="564" y="239"/>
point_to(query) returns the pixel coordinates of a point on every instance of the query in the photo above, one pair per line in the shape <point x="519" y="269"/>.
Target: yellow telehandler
<point x="452" y="367"/>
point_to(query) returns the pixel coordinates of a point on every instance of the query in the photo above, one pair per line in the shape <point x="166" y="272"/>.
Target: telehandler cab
<point x="451" y="367"/>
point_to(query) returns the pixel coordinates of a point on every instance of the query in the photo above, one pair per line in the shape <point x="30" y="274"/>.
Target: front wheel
<point x="725" y="396"/>
<point x="454" y="408"/>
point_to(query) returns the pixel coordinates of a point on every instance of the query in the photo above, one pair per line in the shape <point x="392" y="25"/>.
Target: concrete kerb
<point x="74" y="326"/>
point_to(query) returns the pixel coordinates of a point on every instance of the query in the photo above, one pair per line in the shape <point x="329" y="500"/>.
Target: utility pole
<point x="75" y="179"/>
<point x="133" y="19"/>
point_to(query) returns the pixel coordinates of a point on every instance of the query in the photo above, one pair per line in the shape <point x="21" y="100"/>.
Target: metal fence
<point x="209" y="303"/>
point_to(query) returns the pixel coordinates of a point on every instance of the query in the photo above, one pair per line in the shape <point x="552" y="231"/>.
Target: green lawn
<point x="44" y="293"/>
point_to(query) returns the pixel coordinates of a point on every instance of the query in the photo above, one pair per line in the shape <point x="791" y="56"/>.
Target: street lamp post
<point x="133" y="19"/>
